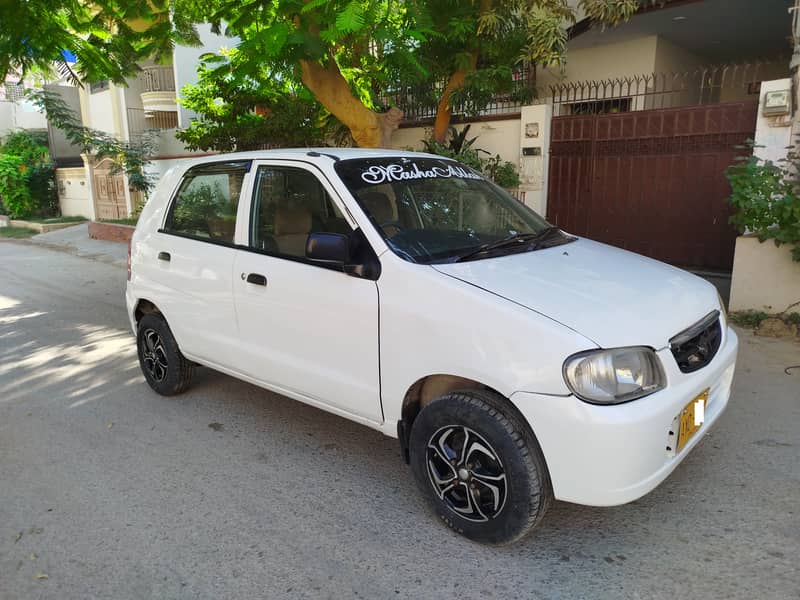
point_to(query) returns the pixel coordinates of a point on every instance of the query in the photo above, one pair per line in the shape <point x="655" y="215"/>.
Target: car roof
<point x="310" y="153"/>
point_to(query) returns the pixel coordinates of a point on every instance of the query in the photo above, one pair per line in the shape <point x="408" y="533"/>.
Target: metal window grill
<point x="13" y="92"/>
<point x="419" y="102"/>
<point x="705" y="85"/>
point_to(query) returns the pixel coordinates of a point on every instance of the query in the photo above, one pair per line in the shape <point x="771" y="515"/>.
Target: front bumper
<point x="609" y="455"/>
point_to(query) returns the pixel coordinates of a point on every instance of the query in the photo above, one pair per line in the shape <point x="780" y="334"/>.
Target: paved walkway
<point x="76" y="241"/>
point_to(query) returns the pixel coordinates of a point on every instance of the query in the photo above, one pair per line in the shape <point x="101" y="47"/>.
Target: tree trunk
<point x="368" y="128"/>
<point x="444" y="110"/>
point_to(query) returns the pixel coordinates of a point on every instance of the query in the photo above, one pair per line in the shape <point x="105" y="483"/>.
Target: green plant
<point x="793" y="318"/>
<point x="14" y="190"/>
<point x="766" y="197"/>
<point x="748" y="318"/>
<point x="27" y="177"/>
<point x="458" y="147"/>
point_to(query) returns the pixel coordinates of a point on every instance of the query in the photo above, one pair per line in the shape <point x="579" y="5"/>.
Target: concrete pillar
<point x="534" y="155"/>
<point x="88" y="167"/>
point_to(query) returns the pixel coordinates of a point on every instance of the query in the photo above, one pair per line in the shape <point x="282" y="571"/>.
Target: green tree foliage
<point x="27" y="182"/>
<point x="126" y="157"/>
<point x="109" y="37"/>
<point x="240" y="112"/>
<point x="766" y="197"/>
<point x="345" y="52"/>
<point x="478" y="47"/>
<point x="352" y="54"/>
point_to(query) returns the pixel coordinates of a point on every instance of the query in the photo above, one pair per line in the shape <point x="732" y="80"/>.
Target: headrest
<point x="378" y="205"/>
<point x="289" y="221"/>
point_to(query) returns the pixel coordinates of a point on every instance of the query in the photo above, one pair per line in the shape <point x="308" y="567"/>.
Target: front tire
<point x="165" y="369"/>
<point x="480" y="466"/>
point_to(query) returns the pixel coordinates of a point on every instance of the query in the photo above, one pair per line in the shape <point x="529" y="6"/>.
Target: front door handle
<point x="256" y="279"/>
<point x="164" y="256"/>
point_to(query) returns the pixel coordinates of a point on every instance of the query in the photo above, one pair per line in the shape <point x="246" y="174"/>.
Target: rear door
<point x="192" y="261"/>
<point x="306" y="329"/>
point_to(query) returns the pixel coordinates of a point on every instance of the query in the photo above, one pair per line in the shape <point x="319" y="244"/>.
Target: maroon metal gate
<point x="650" y="181"/>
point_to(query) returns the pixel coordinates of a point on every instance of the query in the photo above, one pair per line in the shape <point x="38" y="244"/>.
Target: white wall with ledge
<point x="73" y="193"/>
<point x="764" y="276"/>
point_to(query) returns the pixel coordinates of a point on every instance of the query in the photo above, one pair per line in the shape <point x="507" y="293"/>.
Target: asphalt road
<point x="228" y="491"/>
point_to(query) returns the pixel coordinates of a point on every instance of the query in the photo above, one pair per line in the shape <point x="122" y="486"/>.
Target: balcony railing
<point x="157" y="79"/>
<point x="140" y="121"/>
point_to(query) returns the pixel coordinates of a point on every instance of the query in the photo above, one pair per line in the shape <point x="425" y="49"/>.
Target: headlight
<point x="614" y="376"/>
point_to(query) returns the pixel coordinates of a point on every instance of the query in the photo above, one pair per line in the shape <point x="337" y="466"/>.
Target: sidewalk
<point x="76" y="241"/>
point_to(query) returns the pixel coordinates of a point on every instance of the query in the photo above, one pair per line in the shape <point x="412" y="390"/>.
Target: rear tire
<point x="480" y="466"/>
<point x="165" y="369"/>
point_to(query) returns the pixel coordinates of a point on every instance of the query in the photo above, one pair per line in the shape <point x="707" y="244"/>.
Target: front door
<point x="304" y="328"/>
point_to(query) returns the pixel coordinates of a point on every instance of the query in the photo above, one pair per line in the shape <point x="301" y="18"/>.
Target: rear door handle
<point x="164" y="256"/>
<point x="256" y="279"/>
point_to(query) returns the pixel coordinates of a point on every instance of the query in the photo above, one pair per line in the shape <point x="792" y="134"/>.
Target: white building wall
<point x="73" y="193"/>
<point x="100" y="111"/>
<point x="496" y="137"/>
<point x="19" y="115"/>
<point x="631" y="57"/>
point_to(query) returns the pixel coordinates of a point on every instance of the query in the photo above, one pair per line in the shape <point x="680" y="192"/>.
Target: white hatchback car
<point x="515" y="363"/>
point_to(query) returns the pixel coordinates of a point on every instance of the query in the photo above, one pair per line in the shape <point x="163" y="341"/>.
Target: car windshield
<point x="433" y="210"/>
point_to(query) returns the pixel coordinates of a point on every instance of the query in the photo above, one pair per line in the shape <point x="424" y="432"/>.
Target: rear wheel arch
<point x="145" y="307"/>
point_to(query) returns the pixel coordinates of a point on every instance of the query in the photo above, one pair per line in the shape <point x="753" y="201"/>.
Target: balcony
<point x="158" y="89"/>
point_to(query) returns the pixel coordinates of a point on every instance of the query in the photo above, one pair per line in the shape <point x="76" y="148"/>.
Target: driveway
<point x="229" y="491"/>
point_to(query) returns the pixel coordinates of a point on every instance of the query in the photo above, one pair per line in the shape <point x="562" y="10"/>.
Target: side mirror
<point x="330" y="248"/>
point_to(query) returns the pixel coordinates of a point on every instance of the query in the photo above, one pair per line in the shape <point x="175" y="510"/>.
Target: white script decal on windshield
<point x="395" y="172"/>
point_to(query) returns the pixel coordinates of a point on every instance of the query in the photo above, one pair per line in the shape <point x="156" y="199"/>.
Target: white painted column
<point x="88" y="167"/>
<point x="534" y="155"/>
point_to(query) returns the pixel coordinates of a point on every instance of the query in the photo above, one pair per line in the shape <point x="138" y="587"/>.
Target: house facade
<point x="144" y="110"/>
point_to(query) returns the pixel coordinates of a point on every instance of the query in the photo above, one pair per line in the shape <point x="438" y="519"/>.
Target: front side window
<point x="288" y="205"/>
<point x="206" y="203"/>
<point x="436" y="210"/>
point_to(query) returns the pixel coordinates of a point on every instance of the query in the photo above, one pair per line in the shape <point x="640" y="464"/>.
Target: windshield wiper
<point x="517" y="240"/>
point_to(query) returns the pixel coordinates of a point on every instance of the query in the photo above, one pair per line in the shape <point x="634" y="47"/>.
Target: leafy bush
<point x="766" y="197"/>
<point x="14" y="192"/>
<point x="458" y="147"/>
<point x="27" y="177"/>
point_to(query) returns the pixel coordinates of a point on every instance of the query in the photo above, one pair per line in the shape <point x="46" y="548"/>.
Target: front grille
<point x="695" y="347"/>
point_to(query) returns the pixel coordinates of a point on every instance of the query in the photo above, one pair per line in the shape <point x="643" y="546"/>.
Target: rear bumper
<point x="609" y="455"/>
<point x="130" y="303"/>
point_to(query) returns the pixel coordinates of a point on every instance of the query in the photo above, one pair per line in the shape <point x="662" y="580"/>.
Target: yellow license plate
<point x="692" y="417"/>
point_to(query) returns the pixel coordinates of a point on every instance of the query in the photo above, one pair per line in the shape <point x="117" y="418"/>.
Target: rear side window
<point x="206" y="203"/>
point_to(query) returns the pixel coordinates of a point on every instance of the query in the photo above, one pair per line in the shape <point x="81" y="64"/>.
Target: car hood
<point x="611" y="296"/>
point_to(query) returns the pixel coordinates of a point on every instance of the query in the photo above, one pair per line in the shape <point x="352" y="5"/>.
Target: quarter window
<point x="289" y="204"/>
<point x="206" y="203"/>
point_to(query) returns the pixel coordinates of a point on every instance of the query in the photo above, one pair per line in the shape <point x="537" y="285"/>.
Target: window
<point x="289" y="204"/>
<point x="434" y="210"/>
<point x="206" y="202"/>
